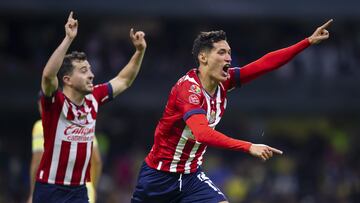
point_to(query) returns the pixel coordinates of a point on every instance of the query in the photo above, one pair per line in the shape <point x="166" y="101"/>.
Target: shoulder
<point x="188" y="80"/>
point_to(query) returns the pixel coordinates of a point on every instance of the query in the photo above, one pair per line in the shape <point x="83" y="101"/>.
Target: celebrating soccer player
<point x="69" y="117"/>
<point x="171" y="171"/>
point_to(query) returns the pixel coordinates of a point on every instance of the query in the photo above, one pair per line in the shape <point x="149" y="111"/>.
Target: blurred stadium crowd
<point x="308" y="109"/>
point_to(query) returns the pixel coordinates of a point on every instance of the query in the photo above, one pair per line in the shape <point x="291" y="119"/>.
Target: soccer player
<point x="38" y="150"/>
<point x="171" y="171"/>
<point x="69" y="117"/>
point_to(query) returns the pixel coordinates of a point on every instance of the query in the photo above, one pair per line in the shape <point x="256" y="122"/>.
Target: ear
<point x="202" y="57"/>
<point x="66" y="80"/>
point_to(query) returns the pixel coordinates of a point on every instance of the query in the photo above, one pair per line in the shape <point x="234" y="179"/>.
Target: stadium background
<point x="309" y="109"/>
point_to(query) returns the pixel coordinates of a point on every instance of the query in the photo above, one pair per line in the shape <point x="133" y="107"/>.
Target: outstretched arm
<point x="49" y="81"/>
<point x="35" y="162"/>
<point x="276" y="59"/>
<point x="128" y="74"/>
<point x="198" y="124"/>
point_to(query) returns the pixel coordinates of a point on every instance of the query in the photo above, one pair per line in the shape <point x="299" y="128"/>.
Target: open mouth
<point x="225" y="70"/>
<point x="226" y="67"/>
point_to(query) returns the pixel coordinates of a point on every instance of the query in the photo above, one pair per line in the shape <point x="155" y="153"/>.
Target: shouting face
<point x="218" y="60"/>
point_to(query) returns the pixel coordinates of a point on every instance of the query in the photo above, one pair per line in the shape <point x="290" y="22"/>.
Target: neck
<point x="74" y="96"/>
<point x="207" y="83"/>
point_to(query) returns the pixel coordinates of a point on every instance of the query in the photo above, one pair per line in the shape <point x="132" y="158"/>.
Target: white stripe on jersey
<point x="199" y="162"/>
<point x="89" y="117"/>
<point x="70" y="164"/>
<point x="93" y="100"/>
<point x="88" y="155"/>
<point x="159" y="166"/>
<point x="191" y="157"/>
<point x="218" y="110"/>
<point x="179" y="149"/>
<point x="57" y="146"/>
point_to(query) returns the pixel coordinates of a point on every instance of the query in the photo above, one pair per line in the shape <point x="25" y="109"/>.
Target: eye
<point x="222" y="52"/>
<point x="83" y="69"/>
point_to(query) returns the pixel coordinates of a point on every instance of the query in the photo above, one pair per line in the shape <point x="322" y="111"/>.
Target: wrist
<point x="68" y="38"/>
<point x="311" y="40"/>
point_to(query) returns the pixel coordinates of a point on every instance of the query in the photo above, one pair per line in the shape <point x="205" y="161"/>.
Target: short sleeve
<point x="189" y="100"/>
<point x="48" y="102"/>
<point x="234" y="79"/>
<point x="37" y="137"/>
<point x="103" y="93"/>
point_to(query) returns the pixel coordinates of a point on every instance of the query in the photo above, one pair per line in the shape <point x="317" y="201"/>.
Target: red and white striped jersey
<point x="175" y="148"/>
<point x="68" y="136"/>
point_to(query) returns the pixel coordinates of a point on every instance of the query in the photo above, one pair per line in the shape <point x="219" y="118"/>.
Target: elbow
<point x="200" y="135"/>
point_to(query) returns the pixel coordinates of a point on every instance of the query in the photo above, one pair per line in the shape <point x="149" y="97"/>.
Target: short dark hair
<point x="205" y="41"/>
<point x="67" y="66"/>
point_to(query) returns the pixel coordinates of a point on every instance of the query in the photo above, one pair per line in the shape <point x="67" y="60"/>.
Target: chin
<point x="88" y="91"/>
<point x="222" y="79"/>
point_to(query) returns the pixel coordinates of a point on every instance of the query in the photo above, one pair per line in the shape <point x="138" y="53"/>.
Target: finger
<point x="70" y="16"/>
<point x="132" y="36"/>
<point x="327" y="24"/>
<point x="276" y="150"/>
<point x="263" y="158"/>
<point x="269" y="153"/>
<point x="264" y="154"/>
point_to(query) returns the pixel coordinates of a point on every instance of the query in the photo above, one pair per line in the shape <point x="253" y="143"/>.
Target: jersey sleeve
<point x="234" y="79"/>
<point x="50" y="102"/>
<point x="189" y="99"/>
<point x="103" y="93"/>
<point x="37" y="137"/>
<point x="271" y="61"/>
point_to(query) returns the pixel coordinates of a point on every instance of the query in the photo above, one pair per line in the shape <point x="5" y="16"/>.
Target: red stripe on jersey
<point x="194" y="163"/>
<point x="63" y="161"/>
<point x="49" y="136"/>
<point x="79" y="163"/>
<point x="185" y="155"/>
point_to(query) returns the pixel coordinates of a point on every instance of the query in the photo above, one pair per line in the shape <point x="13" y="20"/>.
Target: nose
<point x="228" y="58"/>
<point x="91" y="74"/>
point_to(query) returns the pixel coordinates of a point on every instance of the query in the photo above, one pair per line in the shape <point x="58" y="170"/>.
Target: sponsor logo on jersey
<point x="74" y="133"/>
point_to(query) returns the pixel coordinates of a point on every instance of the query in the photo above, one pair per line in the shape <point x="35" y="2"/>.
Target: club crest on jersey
<point x="195" y="89"/>
<point x="194" y="99"/>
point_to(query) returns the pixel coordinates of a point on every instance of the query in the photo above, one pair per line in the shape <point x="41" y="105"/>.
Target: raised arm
<point x="128" y="74"/>
<point x="198" y="124"/>
<point x="49" y="81"/>
<point x="276" y="59"/>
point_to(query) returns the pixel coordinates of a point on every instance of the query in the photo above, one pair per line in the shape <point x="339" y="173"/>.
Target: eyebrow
<point x="223" y="49"/>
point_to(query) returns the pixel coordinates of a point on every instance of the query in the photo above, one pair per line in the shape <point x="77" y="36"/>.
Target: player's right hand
<point x="71" y="26"/>
<point x="263" y="152"/>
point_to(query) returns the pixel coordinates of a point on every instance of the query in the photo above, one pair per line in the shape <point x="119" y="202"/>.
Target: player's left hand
<point x="320" y="33"/>
<point x="138" y="39"/>
<point x="263" y="152"/>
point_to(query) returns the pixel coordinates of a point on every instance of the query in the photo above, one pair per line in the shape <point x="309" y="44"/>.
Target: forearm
<point x="56" y="59"/>
<point x="271" y="61"/>
<point x="130" y="71"/>
<point x="49" y="82"/>
<point x="206" y="135"/>
<point x="35" y="161"/>
<point x="96" y="167"/>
